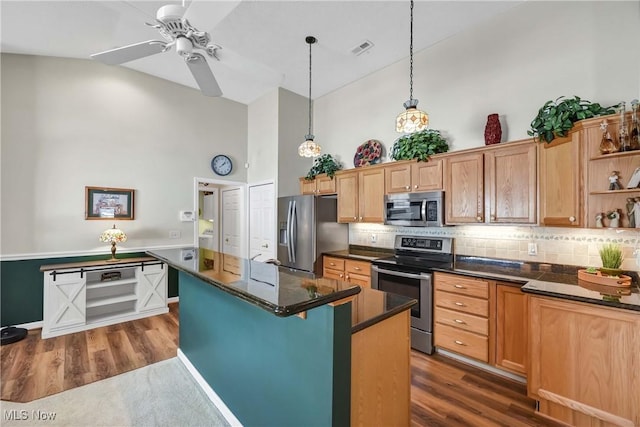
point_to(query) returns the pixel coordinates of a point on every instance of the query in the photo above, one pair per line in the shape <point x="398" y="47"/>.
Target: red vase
<point x="492" y="131"/>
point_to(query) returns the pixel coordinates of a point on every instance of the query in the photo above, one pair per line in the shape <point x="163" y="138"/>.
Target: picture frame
<point x="109" y="203"/>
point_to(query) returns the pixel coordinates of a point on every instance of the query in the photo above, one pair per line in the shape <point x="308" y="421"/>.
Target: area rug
<point x="161" y="394"/>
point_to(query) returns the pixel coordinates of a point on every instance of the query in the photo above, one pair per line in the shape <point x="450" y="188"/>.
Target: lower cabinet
<point x="485" y="320"/>
<point x="348" y="270"/>
<point x="80" y="296"/>
<point x="584" y="362"/>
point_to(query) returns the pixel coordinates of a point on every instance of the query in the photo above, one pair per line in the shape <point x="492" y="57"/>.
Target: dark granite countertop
<point x="282" y="291"/>
<point x="365" y="253"/>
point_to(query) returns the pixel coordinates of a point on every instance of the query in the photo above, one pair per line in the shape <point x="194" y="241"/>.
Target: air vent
<point x="362" y="47"/>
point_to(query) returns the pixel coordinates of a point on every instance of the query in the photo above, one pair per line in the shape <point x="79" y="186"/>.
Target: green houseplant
<point x="611" y="257"/>
<point x="556" y="118"/>
<point x="419" y="145"/>
<point x="323" y="164"/>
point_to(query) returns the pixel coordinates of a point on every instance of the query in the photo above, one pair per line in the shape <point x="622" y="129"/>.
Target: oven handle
<point x="398" y="273"/>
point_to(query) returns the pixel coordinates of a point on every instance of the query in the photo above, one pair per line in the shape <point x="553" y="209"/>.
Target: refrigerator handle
<point x="294" y="231"/>
<point x="288" y="231"/>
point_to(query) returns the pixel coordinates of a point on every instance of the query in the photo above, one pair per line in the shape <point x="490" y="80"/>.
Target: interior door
<point x="231" y="226"/>
<point x="262" y="222"/>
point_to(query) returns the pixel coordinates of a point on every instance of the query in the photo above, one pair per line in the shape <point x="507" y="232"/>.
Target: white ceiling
<point x="263" y="41"/>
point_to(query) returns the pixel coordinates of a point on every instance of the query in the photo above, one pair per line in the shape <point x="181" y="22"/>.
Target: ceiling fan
<point x="178" y="33"/>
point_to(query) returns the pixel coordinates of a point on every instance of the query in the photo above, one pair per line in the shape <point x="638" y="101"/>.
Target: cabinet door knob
<point x="479" y="218"/>
<point x="415" y="186"/>
<point x="346" y="277"/>
<point x="341" y="275"/>
<point x="406" y="187"/>
<point x="354" y="218"/>
<point x="572" y="219"/>
<point x="360" y="218"/>
<point x="459" y="342"/>
<point x="493" y="217"/>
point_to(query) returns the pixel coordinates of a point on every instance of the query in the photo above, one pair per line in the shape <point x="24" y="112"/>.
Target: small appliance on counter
<point x="409" y="272"/>
<point x="308" y="227"/>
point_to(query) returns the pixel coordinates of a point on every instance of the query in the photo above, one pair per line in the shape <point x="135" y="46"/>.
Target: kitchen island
<point x="278" y="348"/>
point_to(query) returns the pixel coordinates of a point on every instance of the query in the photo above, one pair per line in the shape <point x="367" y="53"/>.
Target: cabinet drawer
<point x="359" y="279"/>
<point x="462" y="285"/>
<point x="463" y="342"/>
<point x="477" y="306"/>
<point x="333" y="263"/>
<point x="468" y="322"/>
<point x="329" y="273"/>
<point x="362" y="268"/>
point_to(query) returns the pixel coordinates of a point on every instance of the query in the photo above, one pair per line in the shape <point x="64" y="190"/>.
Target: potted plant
<point x="419" y="145"/>
<point x="323" y="164"/>
<point x="556" y="118"/>
<point x="611" y="257"/>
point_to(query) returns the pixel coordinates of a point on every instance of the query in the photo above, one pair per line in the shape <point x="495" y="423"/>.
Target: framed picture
<point x="108" y="203"/>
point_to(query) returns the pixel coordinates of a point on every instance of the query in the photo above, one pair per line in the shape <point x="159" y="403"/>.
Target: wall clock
<point x="221" y="165"/>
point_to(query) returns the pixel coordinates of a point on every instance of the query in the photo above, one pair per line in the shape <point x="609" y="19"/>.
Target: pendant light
<point x="411" y="120"/>
<point x="309" y="148"/>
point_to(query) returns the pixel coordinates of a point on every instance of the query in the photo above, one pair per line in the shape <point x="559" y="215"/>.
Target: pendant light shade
<point x="309" y="148"/>
<point x="411" y="120"/>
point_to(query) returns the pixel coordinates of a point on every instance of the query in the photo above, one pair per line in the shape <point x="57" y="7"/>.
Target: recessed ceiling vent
<point x="362" y="47"/>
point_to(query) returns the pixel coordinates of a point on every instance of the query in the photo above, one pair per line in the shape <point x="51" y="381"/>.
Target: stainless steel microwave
<point x="424" y="209"/>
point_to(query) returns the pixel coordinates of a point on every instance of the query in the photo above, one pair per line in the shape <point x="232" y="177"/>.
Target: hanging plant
<point x="323" y="164"/>
<point x="556" y="118"/>
<point x="419" y="145"/>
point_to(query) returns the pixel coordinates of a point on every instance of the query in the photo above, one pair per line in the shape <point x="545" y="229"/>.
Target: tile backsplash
<point x="554" y="245"/>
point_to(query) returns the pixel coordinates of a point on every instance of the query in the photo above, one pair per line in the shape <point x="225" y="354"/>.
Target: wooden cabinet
<point x="413" y="176"/>
<point x="511" y="328"/>
<point x="361" y="195"/>
<point x="584" y="362"/>
<point x="462" y="315"/>
<point x="495" y="186"/>
<point x="560" y="182"/>
<point x="321" y="184"/>
<point x="348" y="270"/>
<point x="85" y="295"/>
<point x="464" y="188"/>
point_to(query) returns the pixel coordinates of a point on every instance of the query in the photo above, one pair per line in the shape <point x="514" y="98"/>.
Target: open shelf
<point x="101" y="301"/>
<point x="618" y="154"/>
<point x="623" y="191"/>
<point x="112" y="315"/>
<point x="110" y="283"/>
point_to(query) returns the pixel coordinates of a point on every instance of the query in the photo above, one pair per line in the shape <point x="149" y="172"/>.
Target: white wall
<point x="510" y="65"/>
<point x="262" y="152"/>
<point x="67" y="124"/>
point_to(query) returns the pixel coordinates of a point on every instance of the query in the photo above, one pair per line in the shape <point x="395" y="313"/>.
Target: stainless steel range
<point x="409" y="272"/>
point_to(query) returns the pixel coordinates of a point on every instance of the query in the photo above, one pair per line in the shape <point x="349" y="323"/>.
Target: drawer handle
<point x="459" y="342"/>
<point x="459" y="287"/>
<point x="459" y="304"/>
<point x="357" y="268"/>
<point x="462" y="322"/>
<point x="331" y="263"/>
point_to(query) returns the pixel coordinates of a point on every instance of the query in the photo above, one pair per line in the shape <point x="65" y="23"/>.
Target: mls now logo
<point x="22" y="415"/>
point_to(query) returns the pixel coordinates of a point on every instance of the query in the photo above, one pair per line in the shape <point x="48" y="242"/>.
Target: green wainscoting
<point x="269" y="370"/>
<point x="21" y="283"/>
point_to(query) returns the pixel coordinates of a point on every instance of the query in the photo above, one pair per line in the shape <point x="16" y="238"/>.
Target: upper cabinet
<point x="320" y="185"/>
<point x="413" y="176"/>
<point x="560" y="182"/>
<point x="361" y="195"/>
<point x="495" y="186"/>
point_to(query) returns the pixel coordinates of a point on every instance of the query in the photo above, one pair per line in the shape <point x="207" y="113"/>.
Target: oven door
<point x="413" y="285"/>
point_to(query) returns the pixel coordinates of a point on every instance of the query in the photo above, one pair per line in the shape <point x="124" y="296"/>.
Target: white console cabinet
<point x="85" y="295"/>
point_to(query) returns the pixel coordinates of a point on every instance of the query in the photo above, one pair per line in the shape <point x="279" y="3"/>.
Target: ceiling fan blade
<point x="206" y="15"/>
<point x="129" y="53"/>
<point x="203" y="75"/>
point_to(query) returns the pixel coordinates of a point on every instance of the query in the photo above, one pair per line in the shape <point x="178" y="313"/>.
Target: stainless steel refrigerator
<point x="308" y="227"/>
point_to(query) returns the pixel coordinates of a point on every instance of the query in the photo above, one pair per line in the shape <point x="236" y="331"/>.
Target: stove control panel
<point x="424" y="244"/>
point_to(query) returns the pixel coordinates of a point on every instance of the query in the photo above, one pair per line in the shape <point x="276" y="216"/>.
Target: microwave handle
<point x="423" y="210"/>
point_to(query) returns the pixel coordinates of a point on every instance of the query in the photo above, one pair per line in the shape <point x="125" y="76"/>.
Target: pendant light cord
<point x="411" y="55"/>
<point x="310" y="43"/>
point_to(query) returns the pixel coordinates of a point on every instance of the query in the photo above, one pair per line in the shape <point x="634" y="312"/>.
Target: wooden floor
<point x="444" y="392"/>
<point x="34" y="368"/>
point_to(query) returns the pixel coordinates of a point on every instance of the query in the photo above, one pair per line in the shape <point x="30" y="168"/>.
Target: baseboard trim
<point x="171" y="300"/>
<point x="212" y="395"/>
<point x="30" y="325"/>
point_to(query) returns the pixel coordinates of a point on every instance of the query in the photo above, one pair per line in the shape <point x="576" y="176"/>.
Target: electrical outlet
<point x="174" y="234"/>
<point x="374" y="238"/>
<point x="533" y="249"/>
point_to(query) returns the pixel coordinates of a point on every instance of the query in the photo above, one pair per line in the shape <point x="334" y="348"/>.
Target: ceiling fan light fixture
<point x="411" y="120"/>
<point x="309" y="148"/>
